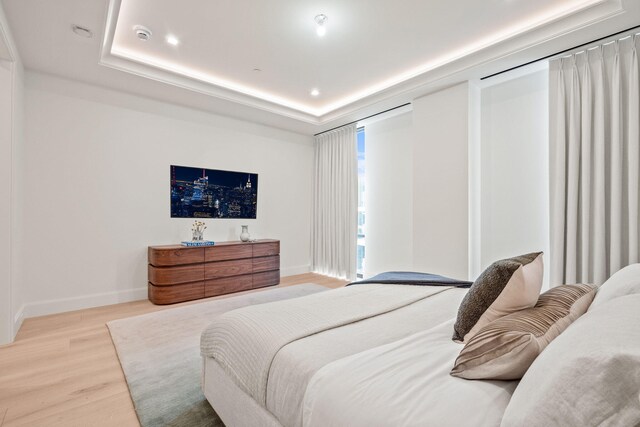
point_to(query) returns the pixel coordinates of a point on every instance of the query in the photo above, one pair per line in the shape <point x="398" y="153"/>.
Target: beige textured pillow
<point x="504" y="349"/>
<point x="506" y="286"/>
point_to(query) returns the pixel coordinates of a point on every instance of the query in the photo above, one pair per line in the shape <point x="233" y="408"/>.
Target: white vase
<point x="244" y="235"/>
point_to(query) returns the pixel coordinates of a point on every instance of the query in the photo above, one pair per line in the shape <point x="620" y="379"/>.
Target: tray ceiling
<point x="270" y="51"/>
<point x="376" y="54"/>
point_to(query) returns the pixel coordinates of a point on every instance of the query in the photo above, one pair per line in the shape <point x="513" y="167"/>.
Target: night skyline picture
<point x="211" y="193"/>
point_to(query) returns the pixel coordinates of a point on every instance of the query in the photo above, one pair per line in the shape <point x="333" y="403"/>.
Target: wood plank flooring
<point x="63" y="370"/>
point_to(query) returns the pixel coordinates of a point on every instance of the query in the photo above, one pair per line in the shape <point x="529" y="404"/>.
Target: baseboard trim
<point x="43" y="308"/>
<point x="292" y="271"/>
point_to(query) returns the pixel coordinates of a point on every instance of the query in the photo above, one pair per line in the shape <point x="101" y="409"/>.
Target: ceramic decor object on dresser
<point x="178" y="273"/>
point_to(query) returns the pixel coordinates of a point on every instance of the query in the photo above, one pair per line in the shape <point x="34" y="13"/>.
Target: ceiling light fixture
<point x="321" y="24"/>
<point x="143" y="33"/>
<point x="82" y="31"/>
<point x="315" y="92"/>
<point x="173" y="40"/>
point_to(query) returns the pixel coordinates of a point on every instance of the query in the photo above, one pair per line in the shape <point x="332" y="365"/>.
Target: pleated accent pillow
<point x="506" y="286"/>
<point x="504" y="349"/>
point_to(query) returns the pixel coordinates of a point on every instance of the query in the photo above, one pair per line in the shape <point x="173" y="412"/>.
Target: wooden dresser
<point x="179" y="273"/>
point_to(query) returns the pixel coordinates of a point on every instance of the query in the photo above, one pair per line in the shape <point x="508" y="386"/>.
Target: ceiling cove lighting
<point x="176" y="68"/>
<point x="321" y="25"/>
<point x="315" y="92"/>
<point x="173" y="40"/>
<point x="515" y="29"/>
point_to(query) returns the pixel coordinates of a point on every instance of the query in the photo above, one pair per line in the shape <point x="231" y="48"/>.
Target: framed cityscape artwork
<point x="212" y="193"/>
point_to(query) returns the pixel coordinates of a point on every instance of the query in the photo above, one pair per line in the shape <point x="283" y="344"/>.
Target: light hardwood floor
<point x="63" y="370"/>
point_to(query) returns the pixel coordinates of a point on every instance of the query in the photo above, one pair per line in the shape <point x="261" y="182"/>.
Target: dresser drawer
<point x="161" y="257"/>
<point x="161" y="276"/>
<point x="175" y="293"/>
<point x="225" y="252"/>
<point x="227" y="285"/>
<point x="268" y="278"/>
<point x="215" y="270"/>
<point x="266" y="263"/>
<point x="266" y="249"/>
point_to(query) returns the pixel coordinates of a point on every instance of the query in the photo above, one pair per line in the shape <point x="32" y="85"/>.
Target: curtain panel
<point x="335" y="204"/>
<point x="594" y="160"/>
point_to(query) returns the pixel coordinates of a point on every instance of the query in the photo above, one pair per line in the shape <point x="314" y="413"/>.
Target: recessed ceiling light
<point x="143" y="33"/>
<point x="172" y="40"/>
<point x="321" y="24"/>
<point x="82" y="31"/>
<point x="315" y="92"/>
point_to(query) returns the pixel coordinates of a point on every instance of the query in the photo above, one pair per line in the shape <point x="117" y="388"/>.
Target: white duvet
<point x="246" y="341"/>
<point x="296" y="364"/>
<point x="404" y="383"/>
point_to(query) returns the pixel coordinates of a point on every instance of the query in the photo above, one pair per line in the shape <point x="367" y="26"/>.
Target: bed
<point x="272" y="365"/>
<point x="381" y="355"/>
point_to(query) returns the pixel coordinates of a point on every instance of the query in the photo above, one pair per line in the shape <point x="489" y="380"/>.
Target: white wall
<point x="97" y="188"/>
<point x="440" y="182"/>
<point x="11" y="149"/>
<point x="389" y="195"/>
<point x="17" y="202"/>
<point x="514" y="168"/>
<point x="417" y="187"/>
<point x="5" y="196"/>
<point x="479" y="173"/>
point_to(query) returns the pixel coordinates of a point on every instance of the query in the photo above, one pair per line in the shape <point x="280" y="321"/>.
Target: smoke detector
<point x="143" y="33"/>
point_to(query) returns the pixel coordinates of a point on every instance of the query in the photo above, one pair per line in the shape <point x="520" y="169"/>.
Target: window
<point x="361" y="207"/>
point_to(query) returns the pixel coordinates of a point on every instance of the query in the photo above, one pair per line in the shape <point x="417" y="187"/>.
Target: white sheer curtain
<point x="335" y="204"/>
<point x="595" y="158"/>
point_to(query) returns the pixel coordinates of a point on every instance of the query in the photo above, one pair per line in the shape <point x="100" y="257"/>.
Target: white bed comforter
<point x="404" y="383"/>
<point x="245" y="342"/>
<point x="295" y="364"/>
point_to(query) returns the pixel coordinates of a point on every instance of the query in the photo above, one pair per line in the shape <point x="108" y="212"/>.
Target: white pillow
<point x="623" y="282"/>
<point x="587" y="376"/>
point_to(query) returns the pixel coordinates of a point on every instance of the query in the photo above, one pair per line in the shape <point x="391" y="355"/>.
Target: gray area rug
<point x="160" y="356"/>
